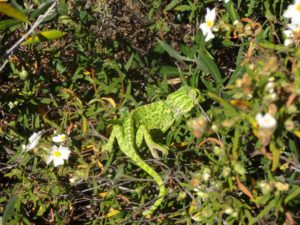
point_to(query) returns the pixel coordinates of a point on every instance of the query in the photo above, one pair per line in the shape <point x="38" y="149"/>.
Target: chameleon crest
<point x="136" y="129"/>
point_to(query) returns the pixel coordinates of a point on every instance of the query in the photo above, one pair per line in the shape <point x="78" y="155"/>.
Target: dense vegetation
<point x="69" y="70"/>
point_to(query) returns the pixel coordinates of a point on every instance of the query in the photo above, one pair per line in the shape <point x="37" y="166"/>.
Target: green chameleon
<point x="137" y="127"/>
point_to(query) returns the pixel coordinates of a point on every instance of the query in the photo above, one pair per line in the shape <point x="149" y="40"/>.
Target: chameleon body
<point x="139" y="124"/>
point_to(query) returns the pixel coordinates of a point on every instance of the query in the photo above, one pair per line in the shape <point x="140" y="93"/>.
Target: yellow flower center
<point x="57" y="154"/>
<point x="209" y="23"/>
<point x="298" y="7"/>
<point x="63" y="137"/>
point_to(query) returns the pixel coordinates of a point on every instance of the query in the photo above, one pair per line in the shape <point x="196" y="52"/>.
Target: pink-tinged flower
<point x="58" y="155"/>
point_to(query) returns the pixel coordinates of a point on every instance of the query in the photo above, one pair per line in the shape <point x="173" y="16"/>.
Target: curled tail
<point x="127" y="146"/>
<point x="143" y="165"/>
<point x="162" y="190"/>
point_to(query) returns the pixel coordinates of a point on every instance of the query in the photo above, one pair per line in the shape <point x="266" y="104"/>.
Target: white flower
<point x="289" y="34"/>
<point x="58" y="155"/>
<point x="266" y="121"/>
<point x="33" y="141"/>
<point x="270" y="87"/>
<point x="228" y="210"/>
<point x="226" y="1"/>
<point x="206" y="27"/>
<point x="293" y="12"/>
<point x="59" y="138"/>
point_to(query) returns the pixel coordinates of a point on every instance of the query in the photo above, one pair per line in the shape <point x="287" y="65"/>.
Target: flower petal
<point x="209" y="36"/>
<point x="58" y="161"/>
<point x="49" y="159"/>
<point x="59" y="138"/>
<point x="210" y="15"/>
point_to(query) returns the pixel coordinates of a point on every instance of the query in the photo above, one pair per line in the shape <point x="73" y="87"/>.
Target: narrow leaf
<point x="209" y="66"/>
<point x="13" y="12"/>
<point x="169" y="71"/>
<point x="44" y="36"/>
<point x="173" y="53"/>
<point x="9" y="209"/>
<point x="172" y="4"/>
<point x="129" y="62"/>
<point x="84" y="125"/>
<point x="4" y="24"/>
<point x="41" y="9"/>
<point x="294" y="194"/>
<point x="230" y="8"/>
<point x="276" y="156"/>
<point x="183" y="8"/>
<point x="228" y="107"/>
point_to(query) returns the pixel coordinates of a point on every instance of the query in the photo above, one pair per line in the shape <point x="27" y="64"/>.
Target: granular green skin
<point x="137" y="126"/>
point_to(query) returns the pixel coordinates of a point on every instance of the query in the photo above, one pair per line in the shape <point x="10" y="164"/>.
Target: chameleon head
<point x="183" y="100"/>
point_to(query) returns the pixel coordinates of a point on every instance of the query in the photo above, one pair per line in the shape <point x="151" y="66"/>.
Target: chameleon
<point x="138" y="125"/>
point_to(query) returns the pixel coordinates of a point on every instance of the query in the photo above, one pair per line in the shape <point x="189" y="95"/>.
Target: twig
<point x="96" y="133"/>
<point x="209" y="120"/>
<point x="39" y="20"/>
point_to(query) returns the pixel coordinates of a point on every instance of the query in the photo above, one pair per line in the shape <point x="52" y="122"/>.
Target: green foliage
<point x="102" y="59"/>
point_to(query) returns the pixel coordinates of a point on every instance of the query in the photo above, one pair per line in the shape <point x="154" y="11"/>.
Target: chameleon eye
<point x="193" y="95"/>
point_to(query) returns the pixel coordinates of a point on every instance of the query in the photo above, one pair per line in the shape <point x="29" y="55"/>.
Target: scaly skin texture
<point x="138" y="125"/>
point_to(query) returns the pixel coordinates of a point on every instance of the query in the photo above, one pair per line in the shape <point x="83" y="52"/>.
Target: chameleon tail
<point x="127" y="146"/>
<point x="162" y="190"/>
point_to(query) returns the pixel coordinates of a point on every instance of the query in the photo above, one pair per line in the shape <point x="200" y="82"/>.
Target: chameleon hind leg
<point x="143" y="134"/>
<point x="116" y="134"/>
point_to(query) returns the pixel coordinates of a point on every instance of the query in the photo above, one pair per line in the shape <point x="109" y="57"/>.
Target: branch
<point x="39" y="20"/>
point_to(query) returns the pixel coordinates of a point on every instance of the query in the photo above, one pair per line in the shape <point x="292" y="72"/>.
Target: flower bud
<point x="281" y="186"/>
<point x="206" y="174"/>
<point x="289" y="125"/>
<point x="266" y="187"/>
<point x="23" y="74"/>
<point x="239" y="168"/>
<point x="226" y="171"/>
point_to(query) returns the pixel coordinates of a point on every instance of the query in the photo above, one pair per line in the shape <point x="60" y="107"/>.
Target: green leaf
<point x="227" y="106"/>
<point x="169" y="71"/>
<point x="266" y="209"/>
<point x="294" y="194"/>
<point x="129" y="62"/>
<point x="280" y="48"/>
<point x="172" y="52"/>
<point x="239" y="71"/>
<point x="172" y="4"/>
<point x="9" y="209"/>
<point x="209" y="66"/>
<point x="44" y="36"/>
<point x="10" y="11"/>
<point x="183" y="8"/>
<point x="4" y="24"/>
<point x="230" y="8"/>
<point x="41" y="9"/>
<point x="276" y="156"/>
<point x="84" y="125"/>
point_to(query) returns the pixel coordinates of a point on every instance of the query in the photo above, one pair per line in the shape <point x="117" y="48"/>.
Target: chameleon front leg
<point x="116" y="134"/>
<point x="143" y="134"/>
